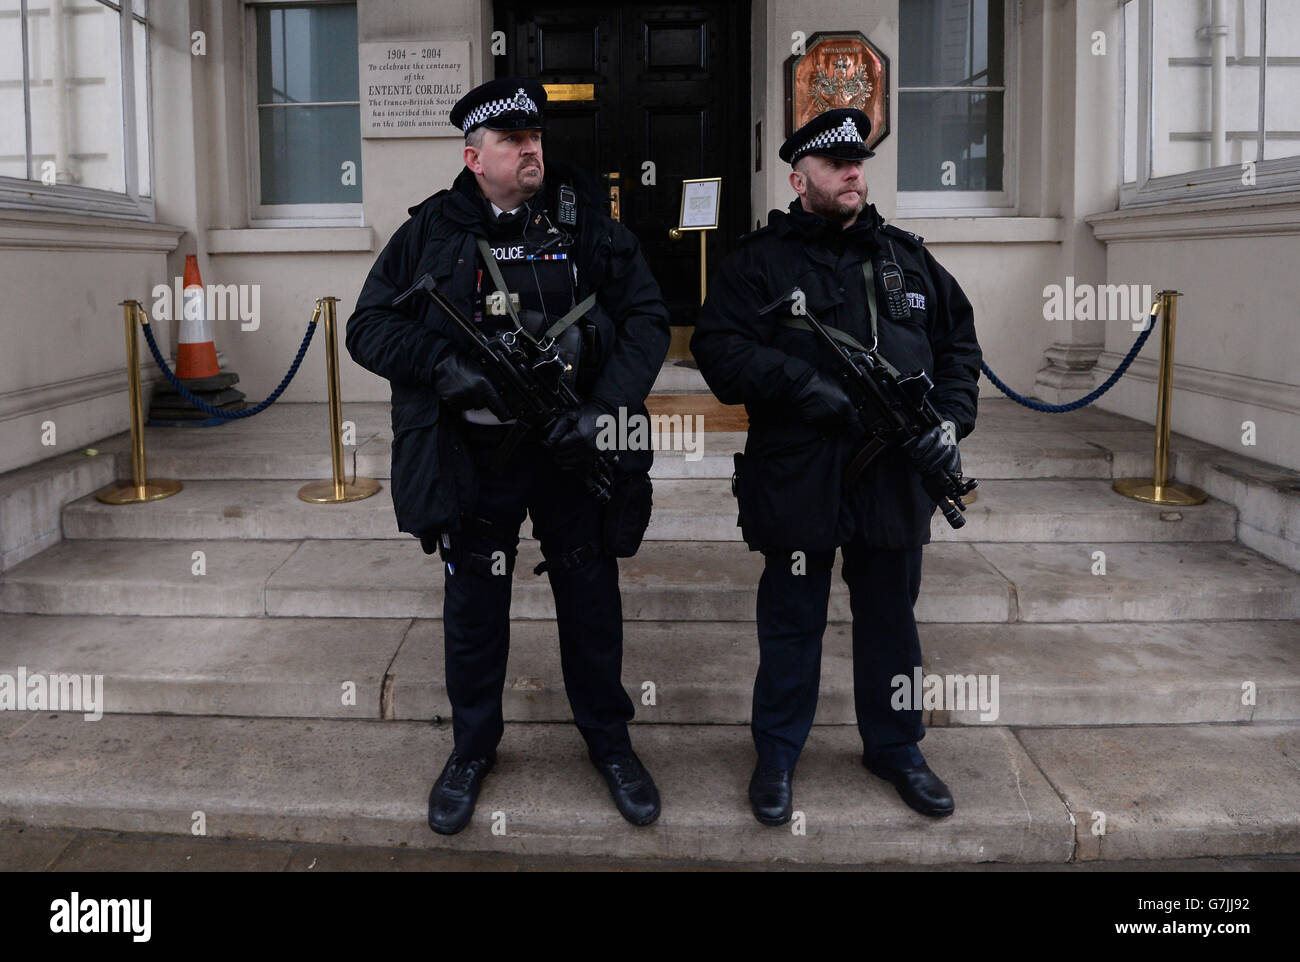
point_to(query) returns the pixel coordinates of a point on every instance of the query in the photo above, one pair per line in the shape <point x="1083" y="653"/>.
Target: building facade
<point x="1059" y="156"/>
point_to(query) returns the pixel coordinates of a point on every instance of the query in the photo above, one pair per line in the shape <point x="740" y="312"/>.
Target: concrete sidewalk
<point x="25" y="849"/>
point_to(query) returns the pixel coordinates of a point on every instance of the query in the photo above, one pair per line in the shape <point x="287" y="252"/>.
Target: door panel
<point x="671" y="86"/>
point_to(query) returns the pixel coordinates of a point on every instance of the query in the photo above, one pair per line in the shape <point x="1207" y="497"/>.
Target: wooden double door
<point x="663" y="84"/>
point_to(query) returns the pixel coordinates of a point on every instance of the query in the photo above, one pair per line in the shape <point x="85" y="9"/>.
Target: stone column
<point x="1087" y="39"/>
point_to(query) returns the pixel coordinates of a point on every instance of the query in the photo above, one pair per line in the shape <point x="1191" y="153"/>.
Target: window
<point x="74" y="93"/>
<point x="952" y="107"/>
<point x="307" y="160"/>
<point x="1209" y="92"/>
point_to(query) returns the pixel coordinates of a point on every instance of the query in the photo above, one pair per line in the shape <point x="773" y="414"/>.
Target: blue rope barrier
<point x="1083" y="401"/>
<point x="217" y="412"/>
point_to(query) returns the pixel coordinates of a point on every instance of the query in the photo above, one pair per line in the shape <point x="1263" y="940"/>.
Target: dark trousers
<point x="476" y="602"/>
<point x="883" y="587"/>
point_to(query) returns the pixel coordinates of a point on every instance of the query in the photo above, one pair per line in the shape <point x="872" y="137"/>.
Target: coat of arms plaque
<point x="842" y="69"/>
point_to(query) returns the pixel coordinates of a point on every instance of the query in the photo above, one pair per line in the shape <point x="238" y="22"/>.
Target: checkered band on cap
<point x="845" y="133"/>
<point x="520" y="101"/>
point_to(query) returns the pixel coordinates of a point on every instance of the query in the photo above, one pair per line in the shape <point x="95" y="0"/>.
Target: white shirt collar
<point x="497" y="211"/>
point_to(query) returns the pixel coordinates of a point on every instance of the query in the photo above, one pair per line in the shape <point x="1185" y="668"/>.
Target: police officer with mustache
<point x="513" y="223"/>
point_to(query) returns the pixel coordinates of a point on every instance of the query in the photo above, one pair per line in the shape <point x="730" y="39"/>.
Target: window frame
<point x="1206" y="183"/>
<point x="283" y="215"/>
<point x="33" y="195"/>
<point x="954" y="202"/>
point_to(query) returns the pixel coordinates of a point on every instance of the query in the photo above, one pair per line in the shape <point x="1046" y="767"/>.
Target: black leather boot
<point x="631" y="787"/>
<point x="918" y="786"/>
<point x="452" y="798"/>
<point x="771" y="794"/>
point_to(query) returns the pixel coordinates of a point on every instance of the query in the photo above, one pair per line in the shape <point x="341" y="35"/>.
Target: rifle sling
<point x="494" y="271"/>
<point x="575" y="312"/>
<point x="844" y="337"/>
<point x="848" y="340"/>
<point x="868" y="275"/>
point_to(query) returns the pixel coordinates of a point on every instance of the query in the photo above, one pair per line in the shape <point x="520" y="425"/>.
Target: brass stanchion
<point x="700" y="211"/>
<point x="1159" y="489"/>
<point x="704" y="265"/>
<point x="676" y="233"/>
<point x="337" y="490"/>
<point x="140" y="487"/>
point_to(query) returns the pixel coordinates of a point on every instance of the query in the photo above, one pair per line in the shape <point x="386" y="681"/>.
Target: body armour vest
<point x="533" y="255"/>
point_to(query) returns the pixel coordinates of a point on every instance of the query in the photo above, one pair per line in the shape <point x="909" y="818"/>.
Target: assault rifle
<point x="894" y="408"/>
<point x="531" y="371"/>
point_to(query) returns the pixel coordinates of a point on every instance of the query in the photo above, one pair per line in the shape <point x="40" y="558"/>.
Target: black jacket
<point x="432" y="475"/>
<point x="789" y="484"/>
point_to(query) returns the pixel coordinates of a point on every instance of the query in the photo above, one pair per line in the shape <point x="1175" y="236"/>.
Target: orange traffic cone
<point x="196" y="354"/>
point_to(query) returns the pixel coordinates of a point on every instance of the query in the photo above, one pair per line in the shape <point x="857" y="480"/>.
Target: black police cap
<point x="841" y="132"/>
<point x="508" y="103"/>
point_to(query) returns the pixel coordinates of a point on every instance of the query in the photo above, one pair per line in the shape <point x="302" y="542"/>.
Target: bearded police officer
<point x="794" y="504"/>
<point x="514" y="225"/>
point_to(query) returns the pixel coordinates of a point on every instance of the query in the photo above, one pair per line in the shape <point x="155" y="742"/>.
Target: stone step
<point x="1171" y="790"/>
<point x="1112" y="674"/>
<point x="146" y="578"/>
<point x="686" y="581"/>
<point x="1145" y="582"/>
<point x="368" y="783"/>
<point x="1105" y="674"/>
<point x="1063" y="509"/>
<point x="291" y="442"/>
<point x="685" y="510"/>
<point x="290" y="667"/>
<point x="235" y="453"/>
<point x="988" y="454"/>
<point x="1206" y="790"/>
<point x="239" y="451"/>
<point x="666" y="581"/>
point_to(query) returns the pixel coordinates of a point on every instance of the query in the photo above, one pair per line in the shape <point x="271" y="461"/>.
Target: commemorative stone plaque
<point x="409" y="87"/>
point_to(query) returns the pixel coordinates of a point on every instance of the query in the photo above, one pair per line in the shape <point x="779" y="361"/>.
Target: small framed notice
<point x="409" y="87"/>
<point x="701" y="201"/>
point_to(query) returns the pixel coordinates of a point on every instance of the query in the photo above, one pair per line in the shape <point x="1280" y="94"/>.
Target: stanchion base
<point x="1174" y="492"/>
<point x="322" y="492"/>
<point x="124" y="492"/>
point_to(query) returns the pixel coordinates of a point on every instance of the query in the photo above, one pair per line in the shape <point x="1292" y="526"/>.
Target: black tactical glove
<point x="571" y="437"/>
<point x="930" y="452"/>
<point x="462" y="384"/>
<point x="822" y="402"/>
